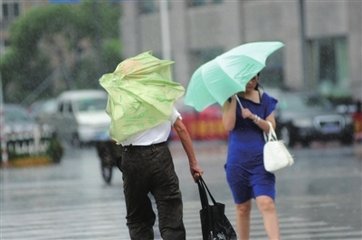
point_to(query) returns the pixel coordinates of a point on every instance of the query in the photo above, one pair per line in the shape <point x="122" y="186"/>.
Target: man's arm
<point x="186" y="141"/>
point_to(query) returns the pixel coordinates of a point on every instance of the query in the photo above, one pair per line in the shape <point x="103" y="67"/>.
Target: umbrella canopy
<point x="227" y="74"/>
<point x="141" y="94"/>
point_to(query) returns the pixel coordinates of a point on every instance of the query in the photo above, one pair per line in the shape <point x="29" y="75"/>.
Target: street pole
<point x="4" y="152"/>
<point x="165" y="30"/>
<point x="303" y="43"/>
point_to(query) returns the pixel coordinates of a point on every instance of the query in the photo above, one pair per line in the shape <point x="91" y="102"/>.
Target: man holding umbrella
<point x="141" y="106"/>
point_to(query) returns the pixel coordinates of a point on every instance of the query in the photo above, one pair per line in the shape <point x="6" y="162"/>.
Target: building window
<point x="327" y="61"/>
<point x="328" y="64"/>
<point x="197" y="3"/>
<point x="10" y="10"/>
<point x="201" y="56"/>
<point x="5" y="9"/>
<point x="146" y="7"/>
<point x="272" y="75"/>
<point x="150" y="6"/>
<point x="16" y="9"/>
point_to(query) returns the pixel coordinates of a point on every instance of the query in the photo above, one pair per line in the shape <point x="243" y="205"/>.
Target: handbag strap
<point x="203" y="196"/>
<point x="208" y="191"/>
<point x="271" y="136"/>
<point x="205" y="193"/>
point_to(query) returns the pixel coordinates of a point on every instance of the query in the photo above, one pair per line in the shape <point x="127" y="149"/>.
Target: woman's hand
<point x="246" y="113"/>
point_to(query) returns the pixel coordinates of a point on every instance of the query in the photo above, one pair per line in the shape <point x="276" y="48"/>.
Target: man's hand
<point x="196" y="172"/>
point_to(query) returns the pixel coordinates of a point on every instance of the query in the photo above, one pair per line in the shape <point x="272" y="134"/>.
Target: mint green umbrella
<point x="141" y="94"/>
<point x="227" y="74"/>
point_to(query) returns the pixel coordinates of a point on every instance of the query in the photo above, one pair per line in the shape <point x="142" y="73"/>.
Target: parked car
<point x="43" y="111"/>
<point x="25" y="138"/>
<point x="304" y="117"/>
<point x="18" y="122"/>
<point x="80" y="117"/>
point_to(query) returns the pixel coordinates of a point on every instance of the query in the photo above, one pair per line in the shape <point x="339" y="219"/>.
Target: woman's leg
<point x="243" y="220"/>
<point x="268" y="210"/>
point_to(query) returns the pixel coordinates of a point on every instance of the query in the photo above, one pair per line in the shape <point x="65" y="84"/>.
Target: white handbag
<point x="276" y="154"/>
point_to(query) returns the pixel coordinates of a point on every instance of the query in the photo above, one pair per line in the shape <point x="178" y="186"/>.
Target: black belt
<point x="143" y="147"/>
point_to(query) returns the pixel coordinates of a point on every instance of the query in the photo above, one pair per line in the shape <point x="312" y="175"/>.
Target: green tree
<point x="59" y="47"/>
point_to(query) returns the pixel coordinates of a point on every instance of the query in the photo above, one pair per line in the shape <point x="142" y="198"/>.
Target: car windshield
<point x="14" y="114"/>
<point x="92" y="104"/>
<point x="295" y="102"/>
<point x="50" y="106"/>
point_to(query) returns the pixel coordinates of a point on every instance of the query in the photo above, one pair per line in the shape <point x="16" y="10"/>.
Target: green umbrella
<point x="227" y="74"/>
<point x="141" y="94"/>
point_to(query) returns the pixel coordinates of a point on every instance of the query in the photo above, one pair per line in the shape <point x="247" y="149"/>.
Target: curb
<point x="27" y="162"/>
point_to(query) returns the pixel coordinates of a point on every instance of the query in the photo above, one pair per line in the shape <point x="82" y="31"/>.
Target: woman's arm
<point x="228" y="114"/>
<point x="261" y="123"/>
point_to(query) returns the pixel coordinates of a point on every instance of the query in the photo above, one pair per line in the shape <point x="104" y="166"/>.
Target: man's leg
<point x="168" y="197"/>
<point x="140" y="216"/>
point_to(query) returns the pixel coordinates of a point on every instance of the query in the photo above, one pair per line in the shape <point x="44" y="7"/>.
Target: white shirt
<point x="157" y="134"/>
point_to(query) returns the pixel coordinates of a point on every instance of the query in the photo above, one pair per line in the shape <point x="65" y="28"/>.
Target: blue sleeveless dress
<point x="245" y="172"/>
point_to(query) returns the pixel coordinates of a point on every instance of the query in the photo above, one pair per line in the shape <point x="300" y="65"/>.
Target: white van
<point x="80" y="117"/>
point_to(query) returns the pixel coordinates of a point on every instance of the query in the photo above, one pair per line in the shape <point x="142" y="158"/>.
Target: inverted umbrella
<point x="227" y="74"/>
<point x="141" y="94"/>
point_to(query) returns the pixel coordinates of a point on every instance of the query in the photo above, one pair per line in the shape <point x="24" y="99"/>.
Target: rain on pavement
<point x="319" y="197"/>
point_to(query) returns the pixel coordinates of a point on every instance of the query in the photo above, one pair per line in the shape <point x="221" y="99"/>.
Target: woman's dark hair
<point x="257" y="85"/>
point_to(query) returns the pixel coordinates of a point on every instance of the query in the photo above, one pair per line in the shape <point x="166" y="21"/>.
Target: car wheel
<point x="286" y="136"/>
<point x="347" y="140"/>
<point x="55" y="149"/>
<point x="305" y="143"/>
<point x="75" y="141"/>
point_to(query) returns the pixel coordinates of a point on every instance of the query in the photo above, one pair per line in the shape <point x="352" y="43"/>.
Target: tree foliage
<point x="59" y="47"/>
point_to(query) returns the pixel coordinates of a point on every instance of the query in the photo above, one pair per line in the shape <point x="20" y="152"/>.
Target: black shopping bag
<point x="214" y="224"/>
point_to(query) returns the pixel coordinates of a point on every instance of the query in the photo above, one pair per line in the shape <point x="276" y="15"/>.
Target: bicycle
<point x="109" y="154"/>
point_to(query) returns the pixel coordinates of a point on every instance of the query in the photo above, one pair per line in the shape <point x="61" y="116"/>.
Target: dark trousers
<point x="150" y="169"/>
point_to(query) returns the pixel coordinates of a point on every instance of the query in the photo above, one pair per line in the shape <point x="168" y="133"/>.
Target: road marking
<point x="106" y="221"/>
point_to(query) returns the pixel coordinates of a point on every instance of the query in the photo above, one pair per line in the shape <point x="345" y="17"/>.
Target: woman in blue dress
<point x="245" y="172"/>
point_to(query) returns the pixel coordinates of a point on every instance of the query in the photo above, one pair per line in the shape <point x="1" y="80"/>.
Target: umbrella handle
<point x="237" y="99"/>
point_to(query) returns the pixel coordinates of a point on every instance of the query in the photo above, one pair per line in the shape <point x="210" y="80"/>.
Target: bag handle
<point x="271" y="136"/>
<point x="204" y="193"/>
<point x="208" y="191"/>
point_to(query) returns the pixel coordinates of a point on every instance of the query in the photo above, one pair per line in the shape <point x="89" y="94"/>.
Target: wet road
<point x="318" y="198"/>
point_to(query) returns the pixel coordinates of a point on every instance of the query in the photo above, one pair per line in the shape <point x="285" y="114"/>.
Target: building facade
<point x="323" y="39"/>
<point x="10" y="10"/>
